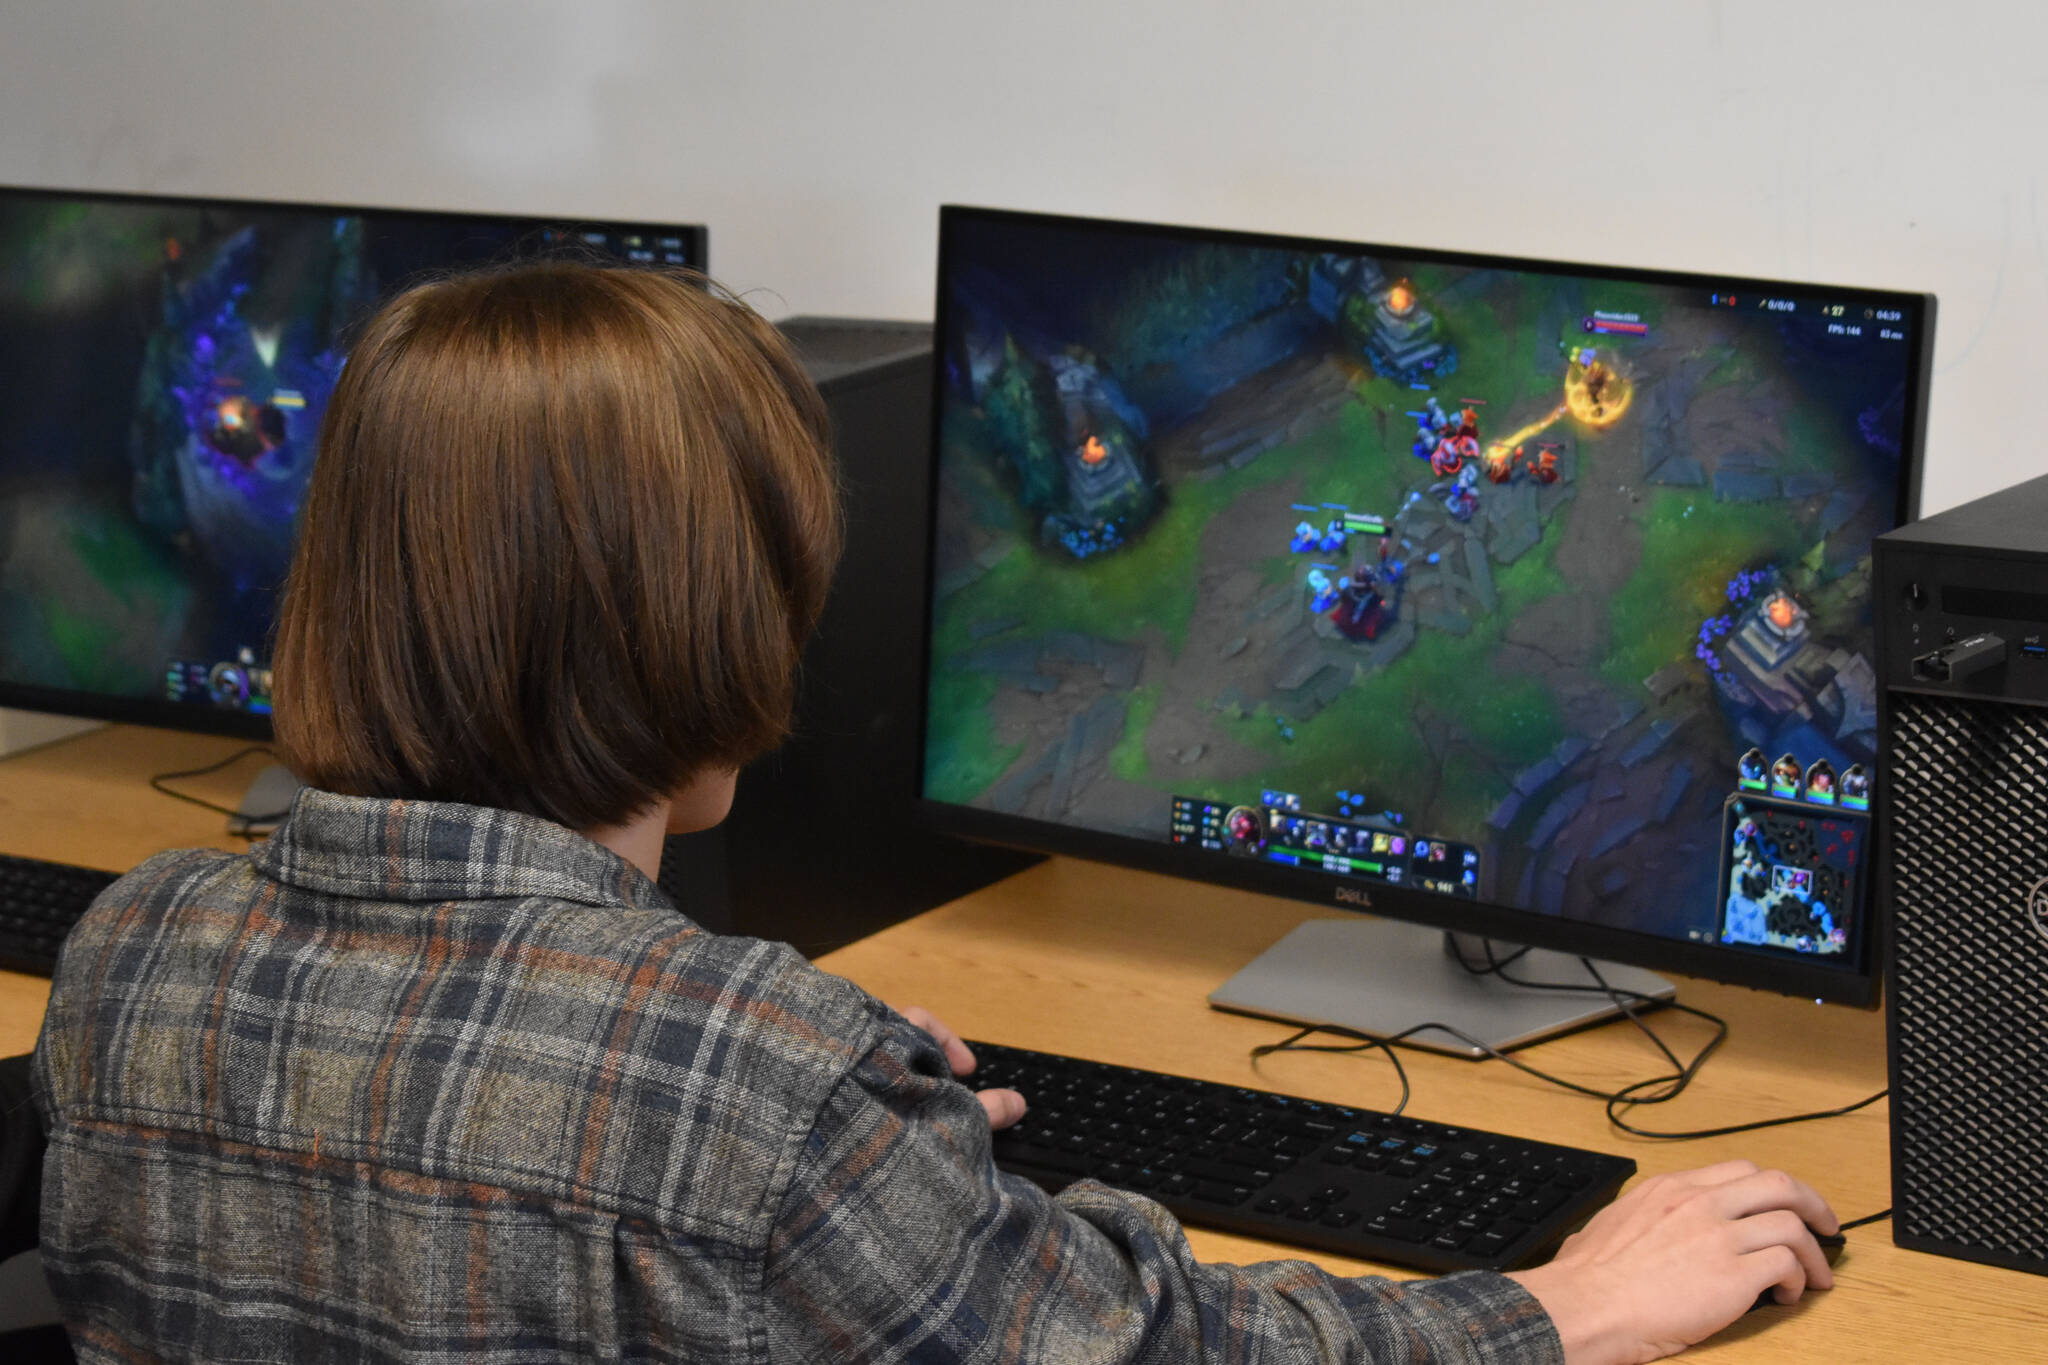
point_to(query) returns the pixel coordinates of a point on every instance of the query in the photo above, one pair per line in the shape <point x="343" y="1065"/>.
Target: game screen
<point x="164" y="366"/>
<point x="1543" y="589"/>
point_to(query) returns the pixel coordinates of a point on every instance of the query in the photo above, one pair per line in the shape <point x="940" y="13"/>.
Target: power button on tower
<point x="1916" y="597"/>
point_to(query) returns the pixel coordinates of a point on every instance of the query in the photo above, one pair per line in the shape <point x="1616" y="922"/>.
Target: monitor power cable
<point x="159" y="783"/>
<point x="1659" y="1089"/>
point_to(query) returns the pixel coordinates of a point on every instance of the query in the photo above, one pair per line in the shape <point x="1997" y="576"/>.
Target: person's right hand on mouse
<point x="1679" y="1257"/>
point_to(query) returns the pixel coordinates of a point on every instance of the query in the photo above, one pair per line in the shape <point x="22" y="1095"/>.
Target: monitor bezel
<point x="196" y="719"/>
<point x="1851" y="983"/>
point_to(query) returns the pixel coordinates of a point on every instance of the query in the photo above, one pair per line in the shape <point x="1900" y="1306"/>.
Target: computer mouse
<point x="1831" y="1244"/>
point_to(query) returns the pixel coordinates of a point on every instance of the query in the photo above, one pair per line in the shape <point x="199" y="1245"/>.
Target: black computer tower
<point x="821" y="847"/>
<point x="1962" y="636"/>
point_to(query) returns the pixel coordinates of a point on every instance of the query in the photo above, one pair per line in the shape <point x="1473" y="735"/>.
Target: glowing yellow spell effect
<point x="1595" y="394"/>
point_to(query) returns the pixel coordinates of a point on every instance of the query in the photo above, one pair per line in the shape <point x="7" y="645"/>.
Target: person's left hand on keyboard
<point x="1004" y="1107"/>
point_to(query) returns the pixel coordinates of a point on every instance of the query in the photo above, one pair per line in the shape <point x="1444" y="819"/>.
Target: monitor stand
<point x="1381" y="976"/>
<point x="265" y="802"/>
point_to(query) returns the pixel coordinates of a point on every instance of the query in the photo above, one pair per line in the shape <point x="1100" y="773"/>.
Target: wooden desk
<point x="1115" y="965"/>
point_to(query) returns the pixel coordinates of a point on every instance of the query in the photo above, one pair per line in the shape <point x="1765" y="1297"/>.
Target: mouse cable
<point x="1867" y="1219"/>
<point x="157" y="783"/>
<point x="1617" y="1102"/>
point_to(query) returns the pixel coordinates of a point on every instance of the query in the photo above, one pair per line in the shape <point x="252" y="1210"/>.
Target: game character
<point x="1785" y="775"/>
<point x="1856" y="786"/>
<point x="1544" y="470"/>
<point x="1361" y="610"/>
<point x="1334" y="537"/>
<point x="1305" y="538"/>
<point x="1820" y="782"/>
<point x="1468" y="425"/>
<point x="1425" y="443"/>
<point x="1451" y="454"/>
<point x="1500" y="463"/>
<point x="1463" y="498"/>
<point x="1598" y="377"/>
<point x="1749" y="769"/>
<point x="1325" y="592"/>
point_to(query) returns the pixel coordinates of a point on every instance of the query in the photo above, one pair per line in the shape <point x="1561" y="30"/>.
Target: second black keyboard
<point x="39" y="902"/>
<point x="1330" y="1177"/>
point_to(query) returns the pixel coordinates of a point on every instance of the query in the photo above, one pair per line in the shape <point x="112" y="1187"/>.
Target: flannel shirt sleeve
<point x="899" y="1240"/>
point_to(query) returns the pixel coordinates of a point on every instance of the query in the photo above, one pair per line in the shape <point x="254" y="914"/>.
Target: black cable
<point x="1618" y="1102"/>
<point x="157" y="784"/>
<point x="1868" y="1218"/>
<point x="1293" y="1043"/>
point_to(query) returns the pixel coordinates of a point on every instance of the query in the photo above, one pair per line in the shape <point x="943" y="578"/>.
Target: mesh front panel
<point x="1969" y="992"/>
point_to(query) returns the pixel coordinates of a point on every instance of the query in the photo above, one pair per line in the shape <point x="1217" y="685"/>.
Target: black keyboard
<point x="1375" y="1186"/>
<point x="39" y="902"/>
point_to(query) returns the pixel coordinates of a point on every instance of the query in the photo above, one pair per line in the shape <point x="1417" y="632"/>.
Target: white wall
<point x="1879" y="143"/>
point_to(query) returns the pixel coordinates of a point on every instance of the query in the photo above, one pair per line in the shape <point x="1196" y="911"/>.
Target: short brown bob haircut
<point x="569" y="529"/>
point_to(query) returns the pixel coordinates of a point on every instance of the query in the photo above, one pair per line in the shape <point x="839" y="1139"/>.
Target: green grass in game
<point x="1421" y="713"/>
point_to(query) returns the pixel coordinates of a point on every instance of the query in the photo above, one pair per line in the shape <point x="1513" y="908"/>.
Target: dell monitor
<point x="164" y="364"/>
<point x="1513" y="598"/>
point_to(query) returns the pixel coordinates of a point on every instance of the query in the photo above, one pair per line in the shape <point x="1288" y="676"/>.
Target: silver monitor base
<point x="1381" y="976"/>
<point x="266" y="801"/>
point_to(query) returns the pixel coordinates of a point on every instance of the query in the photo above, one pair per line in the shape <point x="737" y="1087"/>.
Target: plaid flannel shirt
<point x="421" y="1081"/>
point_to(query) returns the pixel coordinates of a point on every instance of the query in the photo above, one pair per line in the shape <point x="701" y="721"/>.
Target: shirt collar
<point x="433" y="851"/>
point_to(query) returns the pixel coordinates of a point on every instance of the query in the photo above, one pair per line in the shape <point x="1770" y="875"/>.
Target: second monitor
<point x="1522" y="599"/>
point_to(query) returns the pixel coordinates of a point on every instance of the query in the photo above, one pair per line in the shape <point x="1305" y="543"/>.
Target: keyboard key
<point x="1254" y="1160"/>
<point x="1488" y="1244"/>
<point x="1338" y="1218"/>
<point x="1396" y="1229"/>
<point x="1339" y="1156"/>
<point x="1227" y="1174"/>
